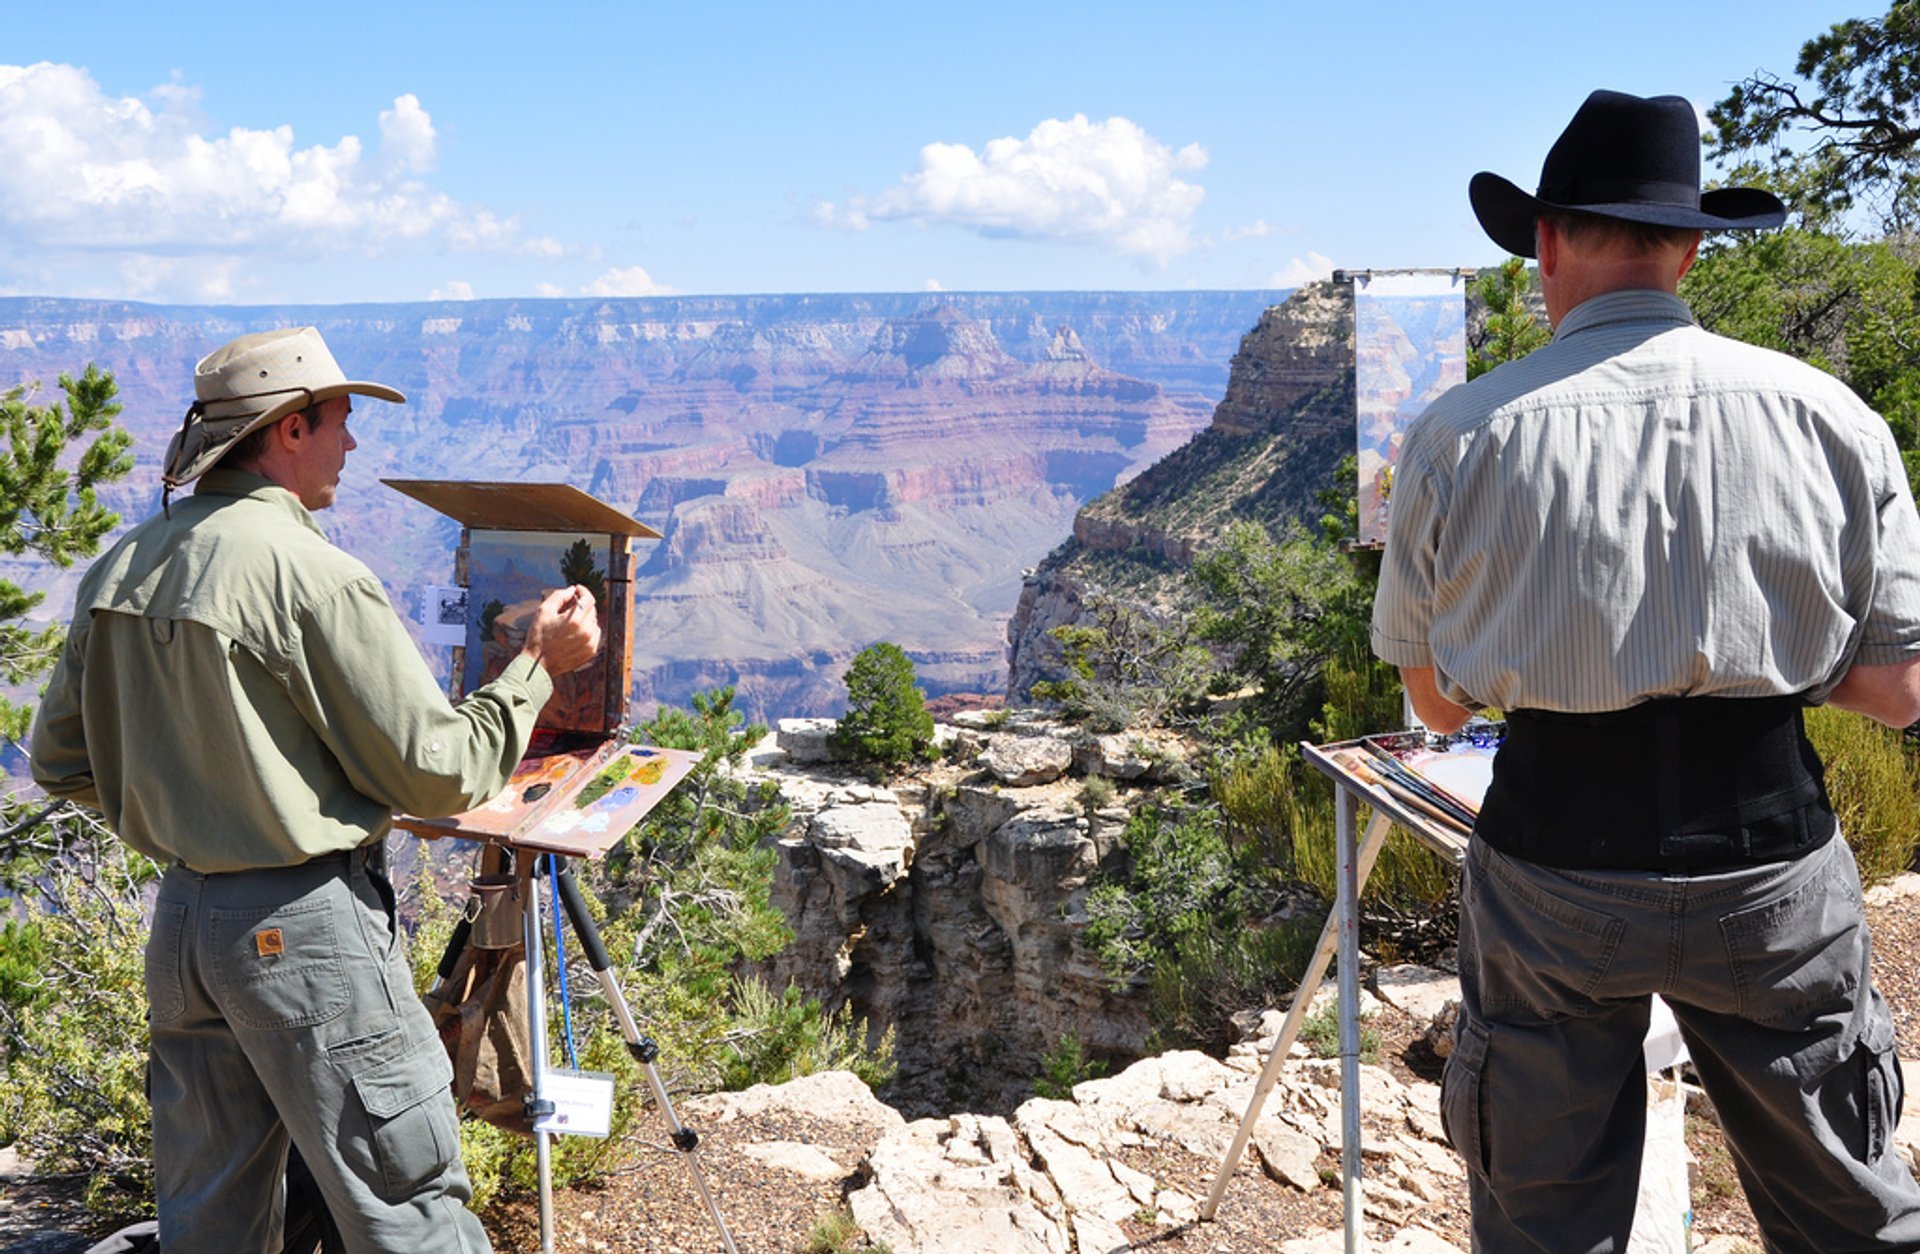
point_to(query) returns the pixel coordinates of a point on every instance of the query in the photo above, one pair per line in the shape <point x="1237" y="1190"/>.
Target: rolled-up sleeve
<point x="1891" y="632"/>
<point x="1403" y="604"/>
<point x="58" y="746"/>
<point x="362" y="684"/>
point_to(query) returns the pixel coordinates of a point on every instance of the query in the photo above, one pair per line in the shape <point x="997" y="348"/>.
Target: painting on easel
<point x="580" y="786"/>
<point x="508" y="572"/>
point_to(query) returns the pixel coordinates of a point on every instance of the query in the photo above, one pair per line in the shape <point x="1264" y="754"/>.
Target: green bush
<point x="1210" y="975"/>
<point x="1064" y="1066"/>
<point x="1192" y="927"/>
<point x="1320" y="1033"/>
<point x="886" y="723"/>
<point x="780" y="1037"/>
<point x="1872" y="782"/>
<point x="73" y="1029"/>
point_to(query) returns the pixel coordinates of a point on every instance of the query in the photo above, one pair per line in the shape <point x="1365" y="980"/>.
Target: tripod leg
<point x="643" y="1048"/>
<point x="537" y="1102"/>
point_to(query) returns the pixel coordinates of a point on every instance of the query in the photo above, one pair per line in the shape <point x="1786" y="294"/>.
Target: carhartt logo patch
<point x="269" y="942"/>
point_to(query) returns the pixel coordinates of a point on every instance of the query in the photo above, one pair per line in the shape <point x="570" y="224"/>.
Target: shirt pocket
<point x="279" y="967"/>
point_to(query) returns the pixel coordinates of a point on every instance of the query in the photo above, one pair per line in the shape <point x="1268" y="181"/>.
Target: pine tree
<point x="48" y="508"/>
<point x="886" y="723"/>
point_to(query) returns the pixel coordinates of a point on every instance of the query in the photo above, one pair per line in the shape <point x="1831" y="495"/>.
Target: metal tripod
<point x="527" y="869"/>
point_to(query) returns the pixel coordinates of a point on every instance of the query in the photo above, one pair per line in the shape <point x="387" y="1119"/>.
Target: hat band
<point x="206" y="406"/>
<point x="1574" y="192"/>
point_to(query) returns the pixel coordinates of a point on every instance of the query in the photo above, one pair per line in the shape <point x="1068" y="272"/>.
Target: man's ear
<point x="291" y="431"/>
<point x="1546" y="247"/>
<point x="1692" y="255"/>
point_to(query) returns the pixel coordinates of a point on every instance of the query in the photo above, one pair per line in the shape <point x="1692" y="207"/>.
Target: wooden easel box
<point x="508" y="530"/>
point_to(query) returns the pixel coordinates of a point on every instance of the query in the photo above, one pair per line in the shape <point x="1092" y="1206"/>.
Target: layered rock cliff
<point x="828" y="470"/>
<point x="1274" y="440"/>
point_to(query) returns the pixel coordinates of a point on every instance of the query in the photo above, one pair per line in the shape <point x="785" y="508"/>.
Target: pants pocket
<point x="279" y="967"/>
<point x="411" y="1135"/>
<point x="1803" y="955"/>
<point x="1882" y="1086"/>
<point x="166" y="946"/>
<point x="1461" y="1094"/>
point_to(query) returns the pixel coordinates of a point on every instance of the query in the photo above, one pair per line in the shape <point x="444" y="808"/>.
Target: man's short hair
<point x="1638" y="238"/>
<point x="248" y="448"/>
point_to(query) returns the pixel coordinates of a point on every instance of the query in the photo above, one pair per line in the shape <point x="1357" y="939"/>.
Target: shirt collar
<point x="1632" y="305"/>
<point x="227" y="481"/>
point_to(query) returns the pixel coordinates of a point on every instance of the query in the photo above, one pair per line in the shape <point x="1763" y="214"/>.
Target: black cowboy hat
<point x="1622" y="157"/>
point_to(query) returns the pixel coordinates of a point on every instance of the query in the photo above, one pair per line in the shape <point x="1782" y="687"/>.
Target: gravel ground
<point x="654" y="1206"/>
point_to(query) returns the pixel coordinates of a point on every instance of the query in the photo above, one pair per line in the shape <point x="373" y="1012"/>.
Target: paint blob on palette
<point x="609" y="802"/>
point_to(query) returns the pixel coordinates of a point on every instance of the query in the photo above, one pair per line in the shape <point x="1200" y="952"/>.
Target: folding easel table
<point x="1357" y="781"/>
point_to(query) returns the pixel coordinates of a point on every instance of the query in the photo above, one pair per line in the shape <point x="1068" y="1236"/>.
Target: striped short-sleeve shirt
<point x="1642" y="509"/>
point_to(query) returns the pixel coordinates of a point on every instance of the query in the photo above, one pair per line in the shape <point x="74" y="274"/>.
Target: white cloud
<point x="407" y="135"/>
<point x="1259" y="228"/>
<point x="935" y="285"/>
<point x="83" y="172"/>
<point x="456" y="289"/>
<point x="1310" y="269"/>
<point x="1108" y="183"/>
<point x="549" y="289"/>
<point x="628" y="281"/>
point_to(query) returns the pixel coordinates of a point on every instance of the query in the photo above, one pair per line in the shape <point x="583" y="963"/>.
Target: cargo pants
<point x="1766" y="970"/>
<point x="283" y="1008"/>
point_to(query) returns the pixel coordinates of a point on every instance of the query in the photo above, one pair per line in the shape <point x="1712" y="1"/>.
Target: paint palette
<point x="579" y="804"/>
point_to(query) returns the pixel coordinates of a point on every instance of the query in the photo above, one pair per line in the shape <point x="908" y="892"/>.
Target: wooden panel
<point x="521" y="506"/>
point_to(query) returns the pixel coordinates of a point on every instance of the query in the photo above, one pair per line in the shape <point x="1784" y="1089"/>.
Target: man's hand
<point x="565" y="633"/>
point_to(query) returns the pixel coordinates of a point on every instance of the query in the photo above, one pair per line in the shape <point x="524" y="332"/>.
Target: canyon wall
<point x="828" y="470"/>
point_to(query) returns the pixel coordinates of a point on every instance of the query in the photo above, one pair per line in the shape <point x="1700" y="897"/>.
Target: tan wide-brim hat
<point x="245" y="385"/>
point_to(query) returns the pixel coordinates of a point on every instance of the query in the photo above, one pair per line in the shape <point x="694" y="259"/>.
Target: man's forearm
<point x="1435" y="711"/>
<point x="1887" y="694"/>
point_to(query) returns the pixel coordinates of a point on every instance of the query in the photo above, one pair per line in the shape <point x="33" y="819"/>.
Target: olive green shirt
<point x="237" y="693"/>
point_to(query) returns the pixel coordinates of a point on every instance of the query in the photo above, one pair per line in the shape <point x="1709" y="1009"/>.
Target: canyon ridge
<point x="827" y="470"/>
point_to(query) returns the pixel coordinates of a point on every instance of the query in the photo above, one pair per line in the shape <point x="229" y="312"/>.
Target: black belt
<point x="1687" y="783"/>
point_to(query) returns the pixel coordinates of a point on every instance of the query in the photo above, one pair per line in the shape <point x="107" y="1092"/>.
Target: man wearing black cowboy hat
<point x="1652" y="547"/>
<point x="239" y="700"/>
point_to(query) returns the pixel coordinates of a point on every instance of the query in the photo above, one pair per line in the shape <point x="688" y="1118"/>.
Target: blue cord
<point x="560" y="962"/>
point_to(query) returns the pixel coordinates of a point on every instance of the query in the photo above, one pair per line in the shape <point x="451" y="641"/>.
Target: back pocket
<point x="279" y="967"/>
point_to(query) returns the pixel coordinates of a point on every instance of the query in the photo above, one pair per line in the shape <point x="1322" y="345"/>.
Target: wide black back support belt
<point x="1679" y="784"/>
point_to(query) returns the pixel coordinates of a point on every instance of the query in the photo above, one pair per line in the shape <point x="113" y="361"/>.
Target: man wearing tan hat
<point x="239" y="700"/>
<point x="1652" y="548"/>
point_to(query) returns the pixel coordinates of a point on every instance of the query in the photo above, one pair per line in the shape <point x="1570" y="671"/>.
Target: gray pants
<point x="282" y="1007"/>
<point x="1766" y="969"/>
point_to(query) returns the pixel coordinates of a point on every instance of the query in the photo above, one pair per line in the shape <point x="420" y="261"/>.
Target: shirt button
<point x="433" y="747"/>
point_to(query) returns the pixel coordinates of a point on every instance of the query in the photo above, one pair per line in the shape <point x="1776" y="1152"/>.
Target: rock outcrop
<point x="954" y="913"/>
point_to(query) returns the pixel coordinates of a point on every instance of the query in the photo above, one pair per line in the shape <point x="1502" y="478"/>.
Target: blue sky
<point x="249" y="153"/>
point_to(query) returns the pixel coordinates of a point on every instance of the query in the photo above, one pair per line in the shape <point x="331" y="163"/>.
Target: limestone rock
<point x="839" y="1096"/>
<point x="1288" y="1156"/>
<point x="807" y="1161"/>
<point x="805" y="739"/>
<point x="956" y="1186"/>
<point x="1420" y="991"/>
<point x="1021" y="761"/>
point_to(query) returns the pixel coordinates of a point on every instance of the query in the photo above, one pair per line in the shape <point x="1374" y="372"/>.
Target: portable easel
<point x="582" y="786"/>
<point x="1354" y="785"/>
